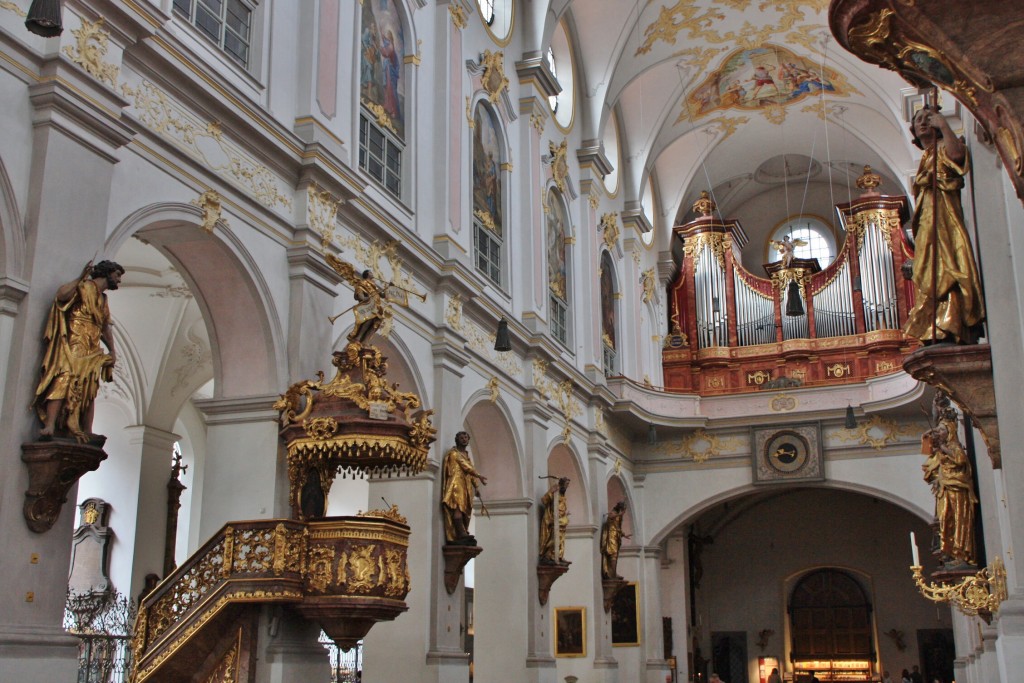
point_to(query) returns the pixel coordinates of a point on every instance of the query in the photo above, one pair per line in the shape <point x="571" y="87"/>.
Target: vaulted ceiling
<point x="683" y="79"/>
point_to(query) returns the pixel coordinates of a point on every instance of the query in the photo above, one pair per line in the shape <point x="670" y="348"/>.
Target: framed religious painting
<point x="626" y="617"/>
<point x="787" y="453"/>
<point x="570" y="632"/>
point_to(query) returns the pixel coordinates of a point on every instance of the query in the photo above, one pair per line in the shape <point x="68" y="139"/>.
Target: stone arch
<point x="12" y="229"/>
<point x="495" y="447"/>
<point x="564" y="461"/>
<point x="714" y="498"/>
<point x="244" y="327"/>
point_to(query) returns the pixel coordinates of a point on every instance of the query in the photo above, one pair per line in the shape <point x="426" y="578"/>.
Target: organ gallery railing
<point x="734" y="331"/>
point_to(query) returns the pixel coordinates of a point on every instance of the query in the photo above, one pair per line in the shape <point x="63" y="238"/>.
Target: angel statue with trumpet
<point x="373" y="299"/>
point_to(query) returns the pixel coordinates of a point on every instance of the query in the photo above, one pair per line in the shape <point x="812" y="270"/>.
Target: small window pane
<point x="486" y="10"/>
<point x="184" y="7"/>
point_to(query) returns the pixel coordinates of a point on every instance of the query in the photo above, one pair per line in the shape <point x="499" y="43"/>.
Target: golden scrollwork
<point x="297" y="402"/>
<point x="482" y="342"/>
<point x="869" y="180"/>
<point x="561" y="393"/>
<point x="886" y="220"/>
<point x="705" y="205"/>
<point x="321" y="567"/>
<point x="391" y="513"/>
<point x="538" y="120"/>
<point x="395" y="573"/>
<point x="878" y="432"/>
<point x="469" y="115"/>
<point x="649" y="283"/>
<point x="203" y="141"/>
<point x="492" y="390"/>
<point x="320" y="428"/>
<point x="486" y="219"/>
<point x="226" y="669"/>
<point x="458" y="15"/>
<point x="979" y="594"/>
<point x="322" y="210"/>
<point x="718" y="243"/>
<point x="801" y="276"/>
<point x="593" y="198"/>
<point x="493" y="79"/>
<point x="610" y="231"/>
<point x="782" y="403"/>
<point x="210" y="203"/>
<point x="361" y="572"/>
<point x="91" y="45"/>
<point x="559" y="164"/>
<point x="381" y="116"/>
<point x="701" y="445"/>
<point x="8" y="5"/>
<point x="90" y="515"/>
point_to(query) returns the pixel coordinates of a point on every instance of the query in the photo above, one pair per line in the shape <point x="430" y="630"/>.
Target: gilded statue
<point x="74" y="362"/>
<point x="947" y="289"/>
<point x="611" y="541"/>
<point x="552" y="540"/>
<point x="458" y="490"/>
<point x="786" y="248"/>
<point x="948" y="470"/>
<point x="373" y="300"/>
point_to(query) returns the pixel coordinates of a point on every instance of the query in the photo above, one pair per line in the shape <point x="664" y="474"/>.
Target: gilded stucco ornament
<point x="322" y="212"/>
<point x="458" y="15"/>
<point x="91" y="45"/>
<point x="210" y="203"/>
<point x="10" y="6"/>
<point x="649" y="282"/>
<point x="610" y="231"/>
<point x="493" y="80"/>
<point x="381" y="116"/>
<point x="558" y="159"/>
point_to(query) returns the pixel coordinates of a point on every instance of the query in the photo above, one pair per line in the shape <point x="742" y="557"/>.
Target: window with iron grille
<point x="380" y="156"/>
<point x="227" y="23"/>
<point x="487" y="252"/>
<point x="559" y="320"/>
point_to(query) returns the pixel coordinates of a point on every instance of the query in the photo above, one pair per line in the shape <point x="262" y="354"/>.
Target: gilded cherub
<point x="786" y="246"/>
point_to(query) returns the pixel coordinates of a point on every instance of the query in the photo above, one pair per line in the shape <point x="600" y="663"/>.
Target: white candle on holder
<point x="913" y="547"/>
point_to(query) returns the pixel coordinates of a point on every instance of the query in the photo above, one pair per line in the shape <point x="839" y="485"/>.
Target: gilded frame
<point x="625" y="616"/>
<point x="570" y="631"/>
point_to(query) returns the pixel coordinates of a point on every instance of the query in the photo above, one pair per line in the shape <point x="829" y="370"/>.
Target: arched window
<point x="647" y="204"/>
<point x="488" y="213"/>
<point x="559" y="58"/>
<point x="486" y="11"/>
<point x="831" y="618"/>
<point x="558" y="266"/>
<point x="382" y="94"/>
<point x="814" y="239"/>
<point x="609" y="316"/>
<point x="611" y="150"/>
<point x="553" y="99"/>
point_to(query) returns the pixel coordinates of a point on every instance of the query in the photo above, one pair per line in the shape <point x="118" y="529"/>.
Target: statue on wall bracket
<point x="73" y="365"/>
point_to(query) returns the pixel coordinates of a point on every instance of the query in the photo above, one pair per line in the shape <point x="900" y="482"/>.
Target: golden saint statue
<point x="459" y="488"/>
<point x="552" y="545"/>
<point x="611" y="541"/>
<point x="948" y="470"/>
<point x="947" y="290"/>
<point x="74" y="362"/>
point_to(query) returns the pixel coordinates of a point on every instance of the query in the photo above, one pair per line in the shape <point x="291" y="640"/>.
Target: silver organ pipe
<point x="712" y="308"/>
<point x="833" y="305"/>
<point x="879" y="287"/>
<point x="755" y="314"/>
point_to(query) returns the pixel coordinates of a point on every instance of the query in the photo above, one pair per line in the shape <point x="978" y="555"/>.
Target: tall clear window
<point x="380" y="156"/>
<point x="553" y="99"/>
<point x="227" y="23"/>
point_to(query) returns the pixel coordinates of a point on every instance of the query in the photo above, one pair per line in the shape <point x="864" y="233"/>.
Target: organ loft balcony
<point x="797" y="325"/>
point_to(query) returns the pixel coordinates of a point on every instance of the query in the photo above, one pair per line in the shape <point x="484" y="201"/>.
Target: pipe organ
<point x="733" y="330"/>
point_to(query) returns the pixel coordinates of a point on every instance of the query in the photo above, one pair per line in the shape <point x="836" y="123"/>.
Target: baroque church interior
<point x="511" y="340"/>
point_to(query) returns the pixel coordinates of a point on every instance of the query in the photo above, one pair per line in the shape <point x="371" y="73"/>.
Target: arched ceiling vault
<point x="685" y="76"/>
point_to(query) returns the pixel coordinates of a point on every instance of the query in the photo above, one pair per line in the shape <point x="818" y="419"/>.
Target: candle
<point x="913" y="547"/>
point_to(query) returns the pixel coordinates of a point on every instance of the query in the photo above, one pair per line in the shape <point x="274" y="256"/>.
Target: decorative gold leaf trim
<point x="210" y="203"/>
<point x="91" y="45"/>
